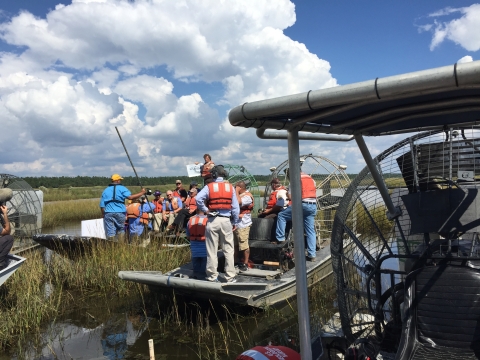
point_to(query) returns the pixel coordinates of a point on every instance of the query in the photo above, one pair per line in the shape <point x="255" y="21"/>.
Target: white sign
<point x="466" y="175"/>
<point x="193" y="170"/>
<point x="93" y="228"/>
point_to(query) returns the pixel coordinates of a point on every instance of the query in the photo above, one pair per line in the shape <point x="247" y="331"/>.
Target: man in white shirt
<point x="241" y="234"/>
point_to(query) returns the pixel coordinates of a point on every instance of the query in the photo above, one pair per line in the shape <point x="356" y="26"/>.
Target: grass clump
<point x="41" y="291"/>
<point x="58" y="213"/>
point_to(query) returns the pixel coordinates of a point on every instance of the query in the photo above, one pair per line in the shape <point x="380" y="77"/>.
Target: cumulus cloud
<point x="464" y="30"/>
<point x="92" y="65"/>
<point x="465" y="59"/>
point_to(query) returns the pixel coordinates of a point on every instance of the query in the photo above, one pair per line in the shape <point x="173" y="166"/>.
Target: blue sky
<point x="166" y="73"/>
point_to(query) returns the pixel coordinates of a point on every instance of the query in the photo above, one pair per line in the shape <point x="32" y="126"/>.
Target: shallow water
<point x="69" y="228"/>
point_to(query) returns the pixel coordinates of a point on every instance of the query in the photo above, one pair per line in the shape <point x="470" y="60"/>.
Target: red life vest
<point x="191" y="204"/>
<point x="272" y="200"/>
<point x="220" y="197"/>
<point x="158" y="206"/>
<point x="196" y="227"/>
<point x="133" y="212"/>
<point x="309" y="190"/>
<point x="206" y="169"/>
<point x="247" y="209"/>
<point x="269" y="352"/>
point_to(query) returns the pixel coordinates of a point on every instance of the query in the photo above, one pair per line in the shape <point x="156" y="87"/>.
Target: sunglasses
<point x="179" y="183"/>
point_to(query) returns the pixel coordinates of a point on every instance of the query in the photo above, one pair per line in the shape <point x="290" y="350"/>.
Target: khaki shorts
<point x="241" y="238"/>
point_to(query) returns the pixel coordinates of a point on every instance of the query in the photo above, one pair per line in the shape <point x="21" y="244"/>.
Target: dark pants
<point x="182" y="218"/>
<point x="6" y="243"/>
<point x="199" y="264"/>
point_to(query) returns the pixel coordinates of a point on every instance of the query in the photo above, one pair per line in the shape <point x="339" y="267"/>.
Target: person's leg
<point x="282" y="218"/>
<point x="309" y="212"/>
<point x="119" y="223"/>
<point x="171" y="219"/>
<point x="109" y="223"/>
<point x="211" y="243"/>
<point x="157" y="222"/>
<point x="228" y="247"/>
<point x="6" y="243"/>
<point x="243" y="243"/>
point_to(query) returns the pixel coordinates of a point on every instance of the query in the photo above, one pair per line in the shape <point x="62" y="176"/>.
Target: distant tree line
<point x="87" y="181"/>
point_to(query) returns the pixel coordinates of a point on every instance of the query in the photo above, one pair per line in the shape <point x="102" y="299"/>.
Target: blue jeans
<point x="199" y="264"/>
<point x="114" y="223"/>
<point x="309" y="211"/>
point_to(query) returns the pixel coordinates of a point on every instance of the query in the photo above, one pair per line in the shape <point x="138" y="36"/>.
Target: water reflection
<point x="70" y="228"/>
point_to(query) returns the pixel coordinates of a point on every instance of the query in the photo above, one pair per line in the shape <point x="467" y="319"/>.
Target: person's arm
<point x="137" y="195"/>
<point x="201" y="197"/>
<point x="235" y="212"/>
<point x="6" y="229"/>
<point x="237" y="193"/>
<point x="180" y="206"/>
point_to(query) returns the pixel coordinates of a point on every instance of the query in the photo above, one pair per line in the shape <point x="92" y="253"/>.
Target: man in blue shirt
<point x="219" y="201"/>
<point x="112" y="204"/>
<point x="137" y="225"/>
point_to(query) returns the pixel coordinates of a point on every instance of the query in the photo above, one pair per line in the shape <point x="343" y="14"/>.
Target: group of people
<point x="219" y="214"/>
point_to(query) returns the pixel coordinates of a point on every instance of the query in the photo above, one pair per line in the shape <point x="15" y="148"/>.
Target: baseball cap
<point x="193" y="183"/>
<point x="178" y="181"/>
<point x="157" y="193"/>
<point x="116" y="177"/>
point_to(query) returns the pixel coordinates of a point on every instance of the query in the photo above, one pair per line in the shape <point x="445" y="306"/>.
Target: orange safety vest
<point x="196" y="227"/>
<point x="272" y="200"/>
<point x="247" y="209"/>
<point x="174" y="204"/>
<point x="206" y="169"/>
<point x="220" y="197"/>
<point x="191" y="204"/>
<point x="133" y="212"/>
<point x="158" y="206"/>
<point x="309" y="190"/>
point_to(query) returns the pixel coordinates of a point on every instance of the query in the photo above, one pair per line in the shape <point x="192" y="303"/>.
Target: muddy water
<point x="120" y="329"/>
<point x="70" y="228"/>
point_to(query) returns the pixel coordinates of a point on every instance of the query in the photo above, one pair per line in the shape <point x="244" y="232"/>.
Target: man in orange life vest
<point x="137" y="215"/>
<point x="158" y="210"/>
<point x="309" y="205"/>
<point x="278" y="200"/>
<point x="196" y="234"/>
<point x="189" y="208"/>
<point x="240" y="235"/>
<point x="219" y="201"/>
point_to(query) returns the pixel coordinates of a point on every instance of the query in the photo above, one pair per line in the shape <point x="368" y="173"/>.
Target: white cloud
<point x="91" y="65"/>
<point x="465" y="59"/>
<point x="464" y="31"/>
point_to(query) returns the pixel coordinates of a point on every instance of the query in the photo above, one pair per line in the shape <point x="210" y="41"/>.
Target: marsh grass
<point x="61" y="212"/>
<point x="25" y="308"/>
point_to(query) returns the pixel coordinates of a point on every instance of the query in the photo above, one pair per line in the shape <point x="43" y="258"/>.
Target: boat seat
<point x="262" y="232"/>
<point x="441" y="314"/>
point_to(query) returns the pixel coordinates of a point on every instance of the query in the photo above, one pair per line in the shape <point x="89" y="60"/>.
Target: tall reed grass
<point x="25" y="306"/>
<point x="58" y="213"/>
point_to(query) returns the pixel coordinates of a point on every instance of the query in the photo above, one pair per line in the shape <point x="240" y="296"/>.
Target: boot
<point x="121" y="238"/>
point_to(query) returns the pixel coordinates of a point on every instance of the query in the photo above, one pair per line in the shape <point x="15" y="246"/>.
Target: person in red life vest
<point x="157" y="211"/>
<point x="196" y="227"/>
<point x="189" y="208"/>
<point x="219" y="201"/>
<point x="206" y="168"/>
<point x="269" y="353"/>
<point x="171" y="207"/>
<point x="137" y="215"/>
<point x="179" y="191"/>
<point x="278" y="200"/>
<point x="309" y="205"/>
<point x="240" y="235"/>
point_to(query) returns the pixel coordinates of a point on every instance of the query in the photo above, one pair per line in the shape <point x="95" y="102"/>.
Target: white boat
<point x="14" y="263"/>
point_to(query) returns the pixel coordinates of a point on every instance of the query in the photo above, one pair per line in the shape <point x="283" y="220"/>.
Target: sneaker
<point x="214" y="281"/>
<point x="231" y="281"/>
<point x="312" y="259"/>
<point x="242" y="267"/>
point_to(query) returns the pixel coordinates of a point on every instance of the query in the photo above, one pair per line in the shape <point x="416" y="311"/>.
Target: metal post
<point x="299" y="249"/>
<point x="393" y="211"/>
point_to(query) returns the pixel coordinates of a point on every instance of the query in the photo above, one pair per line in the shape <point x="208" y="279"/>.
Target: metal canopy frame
<point x="425" y="100"/>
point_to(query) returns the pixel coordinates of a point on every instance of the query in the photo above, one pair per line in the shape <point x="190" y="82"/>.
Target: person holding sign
<point x="206" y="168"/>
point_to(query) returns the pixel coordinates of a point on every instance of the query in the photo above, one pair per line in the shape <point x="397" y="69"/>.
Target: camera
<point x="148" y="191"/>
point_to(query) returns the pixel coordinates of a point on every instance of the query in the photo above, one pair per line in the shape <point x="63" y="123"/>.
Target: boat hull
<point x="250" y="290"/>
<point x="15" y="262"/>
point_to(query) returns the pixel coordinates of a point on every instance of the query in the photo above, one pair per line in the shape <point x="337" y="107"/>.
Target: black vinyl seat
<point x="441" y="314"/>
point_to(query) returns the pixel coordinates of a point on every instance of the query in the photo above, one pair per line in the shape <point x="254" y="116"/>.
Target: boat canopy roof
<point x="417" y="101"/>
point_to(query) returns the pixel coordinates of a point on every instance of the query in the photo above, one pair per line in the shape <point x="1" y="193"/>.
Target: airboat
<point x="271" y="278"/>
<point x="405" y="237"/>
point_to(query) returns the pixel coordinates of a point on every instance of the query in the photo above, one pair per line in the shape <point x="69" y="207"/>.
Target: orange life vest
<point x="174" y="204"/>
<point x="158" y="206"/>
<point x="247" y="209"/>
<point x="196" y="227"/>
<point x="220" y="197"/>
<point x="206" y="169"/>
<point x="191" y="204"/>
<point x="272" y="200"/>
<point x="309" y="189"/>
<point x="133" y="212"/>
